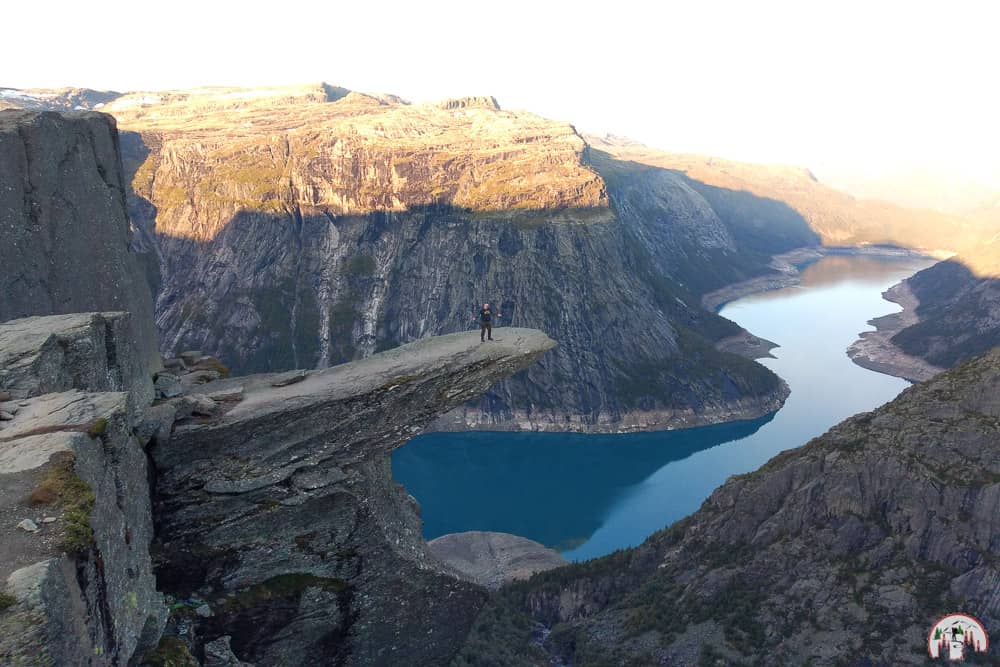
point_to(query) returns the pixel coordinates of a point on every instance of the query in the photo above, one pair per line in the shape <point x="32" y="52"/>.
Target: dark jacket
<point x="485" y="315"/>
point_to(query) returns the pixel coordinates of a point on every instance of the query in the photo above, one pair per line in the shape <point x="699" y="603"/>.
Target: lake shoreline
<point x="875" y="350"/>
<point x="589" y="492"/>
<point x="788" y="267"/>
<point x="466" y="418"/>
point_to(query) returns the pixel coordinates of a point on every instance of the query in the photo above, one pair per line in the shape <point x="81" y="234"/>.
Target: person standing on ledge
<point x="486" y="316"/>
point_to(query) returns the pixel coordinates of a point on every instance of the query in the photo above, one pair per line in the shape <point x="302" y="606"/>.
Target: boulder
<point x="175" y="365"/>
<point x="191" y="357"/>
<point x="218" y="653"/>
<point x="28" y="525"/>
<point x="197" y="377"/>
<point x="156" y="424"/>
<point x="168" y="385"/>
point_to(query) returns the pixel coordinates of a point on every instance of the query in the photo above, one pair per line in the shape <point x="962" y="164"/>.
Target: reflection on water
<point x="836" y="269"/>
<point x="551" y="487"/>
<point x="588" y="495"/>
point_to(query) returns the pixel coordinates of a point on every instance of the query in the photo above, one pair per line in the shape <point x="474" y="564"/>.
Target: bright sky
<point x="871" y="85"/>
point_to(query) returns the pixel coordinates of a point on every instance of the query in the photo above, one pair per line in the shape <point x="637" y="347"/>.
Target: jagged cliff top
<point x="272" y="149"/>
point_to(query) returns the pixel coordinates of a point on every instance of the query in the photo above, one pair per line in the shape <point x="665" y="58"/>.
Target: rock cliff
<point x="300" y="229"/>
<point x="74" y="494"/>
<point x="64" y="229"/>
<point x="272" y="496"/>
<point x="844" y="551"/>
<point x="281" y="535"/>
<point x="281" y="514"/>
<point x="951" y="312"/>
<point x="304" y="226"/>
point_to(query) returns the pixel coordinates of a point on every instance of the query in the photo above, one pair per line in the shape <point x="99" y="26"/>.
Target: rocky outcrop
<point x="281" y="514"/>
<point x="957" y="310"/>
<point x="844" y="551"/>
<point x="876" y="351"/>
<point x="482" y="102"/>
<point x="91" y="352"/>
<point x="494" y="559"/>
<point x="73" y="474"/>
<point x="64" y="229"/>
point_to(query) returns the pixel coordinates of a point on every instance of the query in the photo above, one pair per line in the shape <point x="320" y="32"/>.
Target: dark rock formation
<point x="844" y="551"/>
<point x="274" y="494"/>
<point x="64" y="230"/>
<point x="281" y="511"/>
<point x="84" y="582"/>
<point x="494" y="559"/>
<point x="86" y="351"/>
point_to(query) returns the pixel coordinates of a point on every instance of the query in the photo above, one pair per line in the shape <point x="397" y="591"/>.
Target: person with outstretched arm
<point x="486" y="316"/>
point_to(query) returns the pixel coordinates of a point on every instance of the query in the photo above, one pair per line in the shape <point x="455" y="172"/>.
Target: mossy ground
<point x="171" y="652"/>
<point x="282" y="586"/>
<point x="63" y="488"/>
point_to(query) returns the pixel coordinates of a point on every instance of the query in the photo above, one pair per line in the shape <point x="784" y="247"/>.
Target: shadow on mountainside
<point x="291" y="286"/>
<point x="959" y="314"/>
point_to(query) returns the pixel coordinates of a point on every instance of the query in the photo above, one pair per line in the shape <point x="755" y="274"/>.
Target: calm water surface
<point x="587" y="495"/>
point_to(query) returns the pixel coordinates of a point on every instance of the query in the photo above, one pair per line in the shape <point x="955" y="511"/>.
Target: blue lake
<point x="588" y="495"/>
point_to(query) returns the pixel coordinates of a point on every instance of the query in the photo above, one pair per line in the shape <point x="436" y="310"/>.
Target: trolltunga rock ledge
<point x="280" y="509"/>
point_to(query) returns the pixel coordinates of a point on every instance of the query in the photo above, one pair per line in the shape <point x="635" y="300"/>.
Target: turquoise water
<point x="587" y="495"/>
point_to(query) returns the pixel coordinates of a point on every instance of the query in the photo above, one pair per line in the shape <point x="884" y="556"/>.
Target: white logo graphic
<point x="956" y="636"/>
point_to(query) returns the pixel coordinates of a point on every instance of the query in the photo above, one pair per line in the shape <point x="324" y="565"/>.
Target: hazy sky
<point x="869" y="85"/>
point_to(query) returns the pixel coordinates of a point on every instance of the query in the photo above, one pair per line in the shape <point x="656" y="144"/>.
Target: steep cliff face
<point x="79" y="571"/>
<point x="64" y="228"/>
<point x="844" y="551"/>
<point x="281" y="513"/>
<point x="307" y="229"/>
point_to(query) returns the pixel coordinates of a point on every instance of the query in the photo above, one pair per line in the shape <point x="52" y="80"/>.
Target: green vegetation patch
<point x="62" y="487"/>
<point x="170" y="652"/>
<point x="6" y="601"/>
<point x="360" y="265"/>
<point x="283" y="586"/>
<point x="98" y="427"/>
